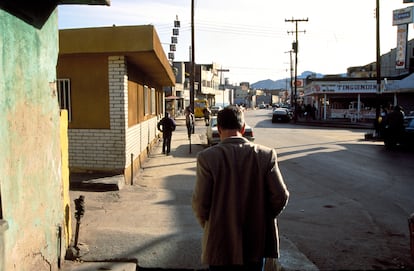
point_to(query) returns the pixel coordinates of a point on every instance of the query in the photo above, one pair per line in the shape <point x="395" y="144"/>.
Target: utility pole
<point x="295" y="47"/>
<point x="192" y="72"/>
<point x="291" y="76"/>
<point x="378" y="65"/>
<point x="221" y="80"/>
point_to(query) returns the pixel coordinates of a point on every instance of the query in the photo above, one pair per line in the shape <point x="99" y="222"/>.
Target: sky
<point x="252" y="38"/>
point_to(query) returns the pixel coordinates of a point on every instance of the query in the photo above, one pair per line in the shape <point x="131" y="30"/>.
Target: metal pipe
<point x="80" y="211"/>
<point x="132" y="168"/>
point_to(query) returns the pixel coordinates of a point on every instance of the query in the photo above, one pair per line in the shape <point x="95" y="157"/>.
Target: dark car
<point x="393" y="138"/>
<point x="281" y="115"/>
<point x="408" y="135"/>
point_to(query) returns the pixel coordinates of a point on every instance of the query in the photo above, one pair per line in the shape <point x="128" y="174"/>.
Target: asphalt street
<point x="150" y="224"/>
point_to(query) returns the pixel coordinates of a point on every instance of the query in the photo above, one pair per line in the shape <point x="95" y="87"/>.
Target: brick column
<point x="118" y="93"/>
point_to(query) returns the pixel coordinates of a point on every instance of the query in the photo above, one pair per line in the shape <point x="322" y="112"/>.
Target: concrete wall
<point x="30" y="160"/>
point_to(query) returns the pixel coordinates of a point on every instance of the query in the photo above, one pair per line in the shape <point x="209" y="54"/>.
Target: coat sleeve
<point x="174" y="125"/>
<point x="159" y="125"/>
<point x="278" y="193"/>
<point x="201" y="199"/>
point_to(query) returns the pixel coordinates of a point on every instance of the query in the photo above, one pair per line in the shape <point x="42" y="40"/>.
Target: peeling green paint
<point x="30" y="160"/>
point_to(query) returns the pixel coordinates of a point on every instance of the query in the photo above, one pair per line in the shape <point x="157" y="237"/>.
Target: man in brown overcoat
<point x="239" y="192"/>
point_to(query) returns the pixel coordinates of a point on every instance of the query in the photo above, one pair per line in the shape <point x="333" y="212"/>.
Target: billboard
<point x="402" y="35"/>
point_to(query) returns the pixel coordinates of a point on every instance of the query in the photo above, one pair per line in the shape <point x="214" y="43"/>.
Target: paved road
<point x="151" y="222"/>
<point x="350" y="198"/>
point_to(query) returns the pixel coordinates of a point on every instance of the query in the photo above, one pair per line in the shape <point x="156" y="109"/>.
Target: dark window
<point x="63" y="90"/>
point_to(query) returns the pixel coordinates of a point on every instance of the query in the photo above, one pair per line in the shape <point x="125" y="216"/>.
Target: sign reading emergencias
<point x="403" y="16"/>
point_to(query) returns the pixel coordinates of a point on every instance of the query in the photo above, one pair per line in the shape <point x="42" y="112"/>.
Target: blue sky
<point x="250" y="38"/>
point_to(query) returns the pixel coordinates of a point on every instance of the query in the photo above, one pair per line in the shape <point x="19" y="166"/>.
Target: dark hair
<point x="231" y="117"/>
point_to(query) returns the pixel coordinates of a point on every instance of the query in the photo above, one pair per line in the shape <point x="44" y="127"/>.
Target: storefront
<point x="351" y="99"/>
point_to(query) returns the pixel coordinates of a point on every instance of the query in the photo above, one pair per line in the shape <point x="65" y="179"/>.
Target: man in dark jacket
<point x="238" y="194"/>
<point x="394" y="127"/>
<point x="166" y="125"/>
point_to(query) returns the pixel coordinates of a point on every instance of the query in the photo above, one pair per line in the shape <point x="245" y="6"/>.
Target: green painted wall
<point x="30" y="157"/>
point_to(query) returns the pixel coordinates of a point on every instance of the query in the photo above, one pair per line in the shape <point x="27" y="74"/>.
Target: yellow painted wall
<point x="64" y="146"/>
<point x="88" y="76"/>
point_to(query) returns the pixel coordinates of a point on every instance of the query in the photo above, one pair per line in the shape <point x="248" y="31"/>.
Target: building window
<point x="146" y="101"/>
<point x="153" y="101"/>
<point x="63" y="90"/>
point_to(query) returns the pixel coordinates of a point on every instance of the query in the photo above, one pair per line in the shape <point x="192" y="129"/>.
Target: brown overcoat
<point x="239" y="192"/>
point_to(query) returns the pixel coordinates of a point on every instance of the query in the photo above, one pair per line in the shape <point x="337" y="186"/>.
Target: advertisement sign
<point x="343" y="87"/>
<point x="298" y="83"/>
<point x="402" y="16"/>
<point x="402" y="34"/>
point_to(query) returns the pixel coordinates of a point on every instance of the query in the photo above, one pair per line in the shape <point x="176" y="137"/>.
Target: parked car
<point x="393" y="139"/>
<point x="408" y="136"/>
<point x="281" y="115"/>
<point x="213" y="136"/>
<point x="215" y="109"/>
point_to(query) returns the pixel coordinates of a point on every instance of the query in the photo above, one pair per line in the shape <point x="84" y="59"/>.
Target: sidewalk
<point x="150" y="225"/>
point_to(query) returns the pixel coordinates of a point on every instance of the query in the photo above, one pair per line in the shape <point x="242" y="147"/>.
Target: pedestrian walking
<point x="189" y="121"/>
<point x="207" y="113"/>
<point x="238" y="194"/>
<point x="166" y="125"/>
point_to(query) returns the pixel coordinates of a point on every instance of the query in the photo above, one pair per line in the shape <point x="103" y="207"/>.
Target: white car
<point x="213" y="136"/>
<point x="215" y="110"/>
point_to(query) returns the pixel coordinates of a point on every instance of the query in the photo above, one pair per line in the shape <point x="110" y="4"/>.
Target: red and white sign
<point x="298" y="83"/>
<point x="402" y="34"/>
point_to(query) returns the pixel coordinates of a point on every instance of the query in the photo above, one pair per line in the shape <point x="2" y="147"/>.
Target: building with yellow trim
<point x="111" y="81"/>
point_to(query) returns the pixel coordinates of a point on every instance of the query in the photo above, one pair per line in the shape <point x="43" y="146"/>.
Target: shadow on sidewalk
<point x="95" y="182"/>
<point x="183" y="150"/>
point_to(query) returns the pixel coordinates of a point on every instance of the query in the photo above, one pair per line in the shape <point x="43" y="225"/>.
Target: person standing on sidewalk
<point x="166" y="125"/>
<point x="238" y="194"/>
<point x="207" y="113"/>
<point x="394" y="127"/>
<point x="189" y="121"/>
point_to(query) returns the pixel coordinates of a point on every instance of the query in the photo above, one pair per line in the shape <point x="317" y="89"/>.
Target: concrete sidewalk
<point x="150" y="225"/>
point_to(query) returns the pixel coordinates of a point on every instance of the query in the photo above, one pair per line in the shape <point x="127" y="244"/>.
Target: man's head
<point x="167" y="114"/>
<point x="230" y="119"/>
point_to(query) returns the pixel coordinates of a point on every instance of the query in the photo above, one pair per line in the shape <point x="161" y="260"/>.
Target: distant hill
<point x="282" y="83"/>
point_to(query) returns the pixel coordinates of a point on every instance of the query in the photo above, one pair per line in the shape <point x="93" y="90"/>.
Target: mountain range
<point x="282" y="83"/>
